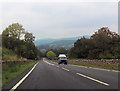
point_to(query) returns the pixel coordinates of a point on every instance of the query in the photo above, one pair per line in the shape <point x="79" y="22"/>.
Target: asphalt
<point x="50" y="75"/>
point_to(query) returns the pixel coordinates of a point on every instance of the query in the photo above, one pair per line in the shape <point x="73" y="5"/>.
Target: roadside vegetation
<point x="103" y="63"/>
<point x="96" y="63"/>
<point x="101" y="50"/>
<point x="11" y="70"/>
<point x="16" y="39"/>
<point x="9" y="55"/>
<point x="103" y="44"/>
<point x="51" y="55"/>
<point x="54" y="53"/>
<point x="18" y="51"/>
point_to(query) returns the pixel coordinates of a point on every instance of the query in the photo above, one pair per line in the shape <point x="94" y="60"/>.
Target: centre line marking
<point x="93" y="79"/>
<point x="65" y="69"/>
<point x="48" y="63"/>
<point x="13" y="88"/>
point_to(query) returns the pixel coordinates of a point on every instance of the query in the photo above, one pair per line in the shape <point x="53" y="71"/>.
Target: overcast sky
<point x="58" y="20"/>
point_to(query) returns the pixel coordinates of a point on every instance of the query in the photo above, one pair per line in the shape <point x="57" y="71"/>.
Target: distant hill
<point x="43" y="41"/>
<point x="48" y="41"/>
<point x="66" y="43"/>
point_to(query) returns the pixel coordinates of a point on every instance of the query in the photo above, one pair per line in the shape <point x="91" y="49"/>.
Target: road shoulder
<point x="17" y="79"/>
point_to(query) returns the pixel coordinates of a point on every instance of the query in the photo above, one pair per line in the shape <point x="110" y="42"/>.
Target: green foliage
<point x="15" y="30"/>
<point x="51" y="55"/>
<point x="104" y="44"/>
<point x="22" y="47"/>
<point x="8" y="54"/>
<point x="11" y="70"/>
<point x="106" y="55"/>
<point x="29" y="37"/>
<point x="56" y="51"/>
<point x="59" y="51"/>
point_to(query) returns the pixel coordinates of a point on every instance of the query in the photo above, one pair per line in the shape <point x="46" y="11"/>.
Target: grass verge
<point x="105" y="64"/>
<point x="11" y="70"/>
<point x="8" y="54"/>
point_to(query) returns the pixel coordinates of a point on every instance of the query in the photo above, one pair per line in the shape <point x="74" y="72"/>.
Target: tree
<point x="81" y="48"/>
<point x="104" y="39"/>
<point x="51" y="55"/>
<point x="105" y="32"/>
<point x="59" y="51"/>
<point x="0" y="40"/>
<point x="22" y="47"/>
<point x="102" y="44"/>
<point x="15" y="30"/>
<point x="29" y="37"/>
<point x="5" y="33"/>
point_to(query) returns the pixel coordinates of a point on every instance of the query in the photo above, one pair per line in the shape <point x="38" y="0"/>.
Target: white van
<point x="62" y="59"/>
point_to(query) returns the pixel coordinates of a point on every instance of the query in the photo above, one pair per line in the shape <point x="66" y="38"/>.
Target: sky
<point x="60" y="20"/>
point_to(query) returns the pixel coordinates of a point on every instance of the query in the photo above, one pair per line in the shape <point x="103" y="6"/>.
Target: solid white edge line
<point x="65" y="69"/>
<point x="115" y="71"/>
<point x="94" y="68"/>
<point x="93" y="79"/>
<point x="13" y="88"/>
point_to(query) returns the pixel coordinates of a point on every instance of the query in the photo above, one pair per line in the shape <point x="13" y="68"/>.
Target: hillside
<point x="43" y="41"/>
<point x="9" y="55"/>
<point x="66" y="43"/>
<point x="49" y="40"/>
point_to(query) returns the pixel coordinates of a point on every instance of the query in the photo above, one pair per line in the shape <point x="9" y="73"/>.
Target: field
<point x="112" y="64"/>
<point x="11" y="70"/>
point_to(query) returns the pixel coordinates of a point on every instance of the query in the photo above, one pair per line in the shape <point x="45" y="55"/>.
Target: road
<point x="50" y="75"/>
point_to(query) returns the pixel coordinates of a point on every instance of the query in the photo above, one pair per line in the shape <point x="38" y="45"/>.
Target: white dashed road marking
<point x="93" y="79"/>
<point x="65" y="69"/>
<point x="48" y="63"/>
<point x="82" y="74"/>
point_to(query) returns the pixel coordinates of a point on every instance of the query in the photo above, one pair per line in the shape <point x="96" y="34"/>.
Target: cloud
<point x="57" y="20"/>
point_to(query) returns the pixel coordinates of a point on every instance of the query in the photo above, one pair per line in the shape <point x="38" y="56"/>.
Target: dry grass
<point x="112" y="64"/>
<point x="9" y="55"/>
